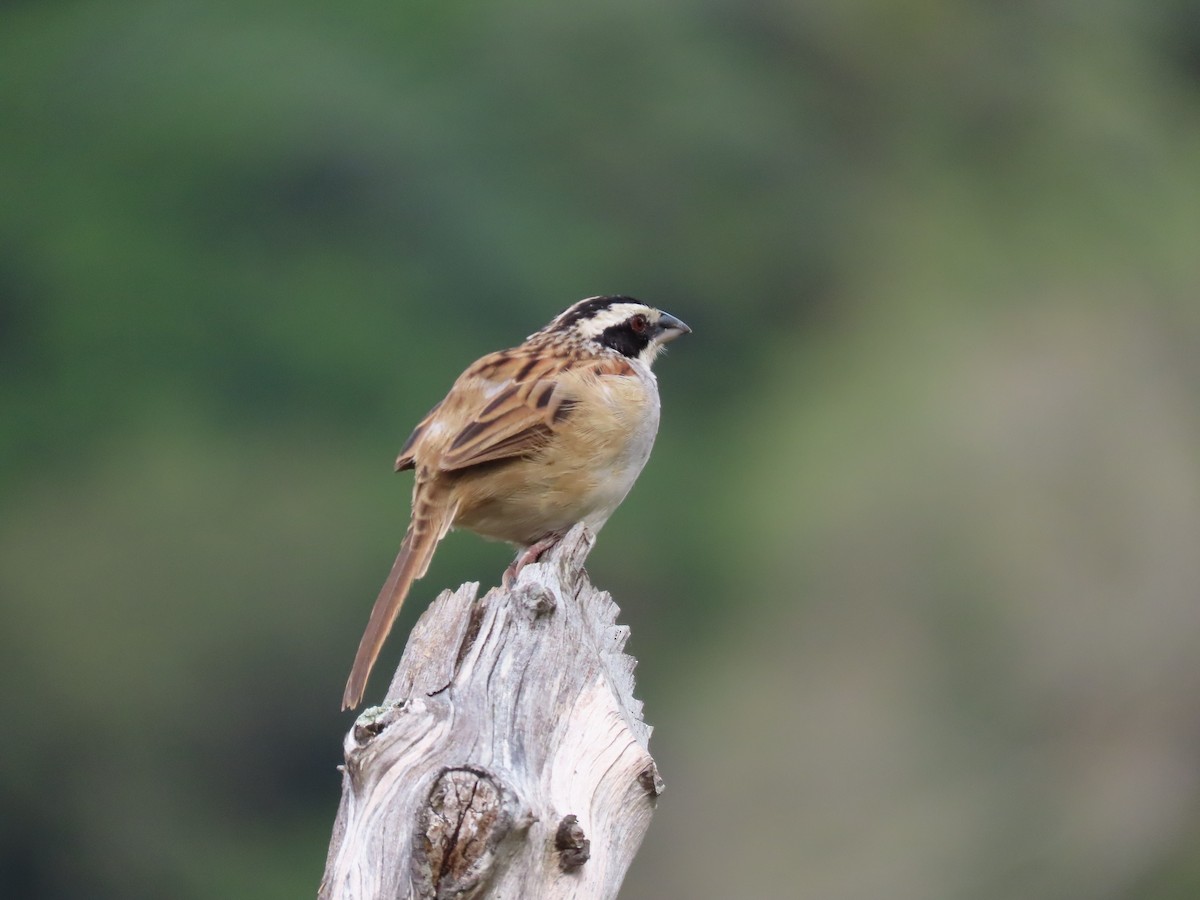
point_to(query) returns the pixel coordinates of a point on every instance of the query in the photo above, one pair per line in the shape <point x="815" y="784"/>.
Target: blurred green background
<point x="913" y="574"/>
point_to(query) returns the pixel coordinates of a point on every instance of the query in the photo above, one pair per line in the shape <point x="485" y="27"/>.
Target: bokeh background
<point x="913" y="574"/>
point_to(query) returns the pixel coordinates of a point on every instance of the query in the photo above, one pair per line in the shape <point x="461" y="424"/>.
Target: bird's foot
<point x="530" y="554"/>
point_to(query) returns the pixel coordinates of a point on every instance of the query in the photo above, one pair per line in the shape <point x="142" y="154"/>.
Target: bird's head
<point x="620" y="324"/>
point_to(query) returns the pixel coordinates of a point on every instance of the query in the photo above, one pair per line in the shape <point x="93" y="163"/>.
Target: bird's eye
<point x="639" y="323"/>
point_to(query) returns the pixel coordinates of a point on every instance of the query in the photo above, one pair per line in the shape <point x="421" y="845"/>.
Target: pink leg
<point x="530" y="554"/>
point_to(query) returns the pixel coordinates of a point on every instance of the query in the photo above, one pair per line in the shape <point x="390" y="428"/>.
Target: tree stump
<point x="510" y="759"/>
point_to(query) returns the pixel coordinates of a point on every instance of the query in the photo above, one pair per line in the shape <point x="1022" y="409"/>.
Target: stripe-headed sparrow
<point x="528" y="442"/>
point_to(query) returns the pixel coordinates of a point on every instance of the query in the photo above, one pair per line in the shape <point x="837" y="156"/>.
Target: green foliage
<point x="244" y="248"/>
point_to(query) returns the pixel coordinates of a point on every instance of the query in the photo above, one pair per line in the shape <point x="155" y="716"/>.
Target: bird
<point x="528" y="442"/>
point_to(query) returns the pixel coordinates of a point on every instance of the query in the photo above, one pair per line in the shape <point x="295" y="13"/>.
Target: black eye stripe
<point x="624" y="339"/>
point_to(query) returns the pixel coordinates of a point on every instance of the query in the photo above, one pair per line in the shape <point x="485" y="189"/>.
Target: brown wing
<point x="405" y="459"/>
<point x="518" y="401"/>
<point x="511" y="403"/>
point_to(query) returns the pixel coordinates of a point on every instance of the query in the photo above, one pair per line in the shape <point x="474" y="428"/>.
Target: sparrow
<point x="528" y="442"/>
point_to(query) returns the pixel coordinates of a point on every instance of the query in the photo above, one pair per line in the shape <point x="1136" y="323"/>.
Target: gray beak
<point x="670" y="327"/>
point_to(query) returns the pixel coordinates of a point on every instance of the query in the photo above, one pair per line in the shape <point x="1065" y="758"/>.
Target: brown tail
<point x="429" y="525"/>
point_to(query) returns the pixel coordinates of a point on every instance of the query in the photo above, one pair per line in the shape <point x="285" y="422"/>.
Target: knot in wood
<point x="468" y="814"/>
<point x="537" y="599"/>
<point x="573" y="848"/>
<point x="651" y="781"/>
<point x="374" y="720"/>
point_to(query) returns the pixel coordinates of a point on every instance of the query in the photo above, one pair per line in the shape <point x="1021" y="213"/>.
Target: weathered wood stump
<point x="510" y="759"/>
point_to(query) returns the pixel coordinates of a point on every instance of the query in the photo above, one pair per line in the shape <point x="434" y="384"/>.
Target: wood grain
<point x="510" y="759"/>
